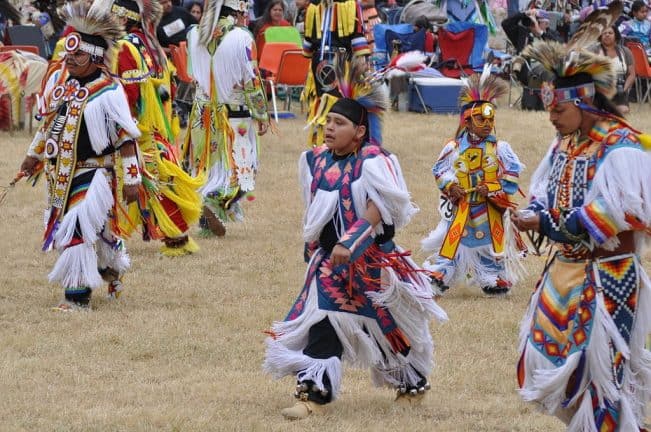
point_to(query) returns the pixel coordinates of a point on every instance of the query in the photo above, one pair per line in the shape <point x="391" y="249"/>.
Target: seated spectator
<point x="174" y="24"/>
<point x="422" y="23"/>
<point x="639" y="26"/>
<point x="610" y="45"/>
<point x="196" y="10"/>
<point x="274" y="16"/>
<point x="524" y="27"/>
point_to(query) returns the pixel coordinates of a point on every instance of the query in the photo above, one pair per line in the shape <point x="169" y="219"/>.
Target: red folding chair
<point x="455" y="51"/>
<point x="642" y="71"/>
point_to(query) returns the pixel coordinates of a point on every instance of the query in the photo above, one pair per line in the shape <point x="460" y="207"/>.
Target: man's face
<point x="566" y="117"/>
<point x="167" y="6"/>
<point x="79" y="64"/>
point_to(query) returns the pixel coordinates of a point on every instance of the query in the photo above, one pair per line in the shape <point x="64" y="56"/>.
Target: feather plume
<point x="482" y="87"/>
<point x="151" y="13"/>
<point x="355" y="82"/>
<point x="594" y="24"/>
<point x="95" y="20"/>
<point x="209" y="20"/>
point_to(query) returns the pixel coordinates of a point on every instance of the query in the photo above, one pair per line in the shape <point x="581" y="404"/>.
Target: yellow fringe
<point x="645" y="141"/>
<point x="189" y="248"/>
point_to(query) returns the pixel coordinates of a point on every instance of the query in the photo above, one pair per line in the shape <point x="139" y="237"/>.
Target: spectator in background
<point x="299" y="18"/>
<point x="196" y="10"/>
<point x="274" y="16"/>
<point x="610" y="45"/>
<point x="639" y="26"/>
<point x="525" y="27"/>
<point x="174" y="25"/>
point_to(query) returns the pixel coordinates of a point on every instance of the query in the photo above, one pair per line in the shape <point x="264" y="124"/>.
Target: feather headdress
<point x="482" y="88"/>
<point x="148" y="13"/>
<point x="91" y="23"/>
<point x="573" y="60"/>
<point x="355" y="82"/>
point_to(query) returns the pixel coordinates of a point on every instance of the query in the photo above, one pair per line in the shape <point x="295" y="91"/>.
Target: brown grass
<point x="181" y="351"/>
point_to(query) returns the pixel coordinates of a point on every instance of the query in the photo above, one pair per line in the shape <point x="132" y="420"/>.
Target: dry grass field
<point x="182" y="349"/>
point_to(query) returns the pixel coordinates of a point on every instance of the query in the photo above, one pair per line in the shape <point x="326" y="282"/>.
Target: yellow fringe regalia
<point x="169" y="203"/>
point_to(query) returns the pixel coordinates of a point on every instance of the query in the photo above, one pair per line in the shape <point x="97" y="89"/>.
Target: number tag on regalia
<point x="446" y="208"/>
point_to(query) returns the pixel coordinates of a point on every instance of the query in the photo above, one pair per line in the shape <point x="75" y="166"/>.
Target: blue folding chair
<point x="380" y="56"/>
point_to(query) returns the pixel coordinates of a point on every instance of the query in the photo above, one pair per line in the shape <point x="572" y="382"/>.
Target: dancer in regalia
<point x="229" y="112"/>
<point x="582" y="346"/>
<point x="477" y="175"/>
<point x="86" y="124"/>
<point x="169" y="203"/>
<point x="364" y="301"/>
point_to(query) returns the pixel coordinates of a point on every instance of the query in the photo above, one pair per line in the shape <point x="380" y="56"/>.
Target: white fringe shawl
<point x="623" y="181"/>
<point x="77" y="267"/>
<point x="540" y="178"/>
<point x="545" y="383"/>
<point x="381" y="181"/>
<point x="444" y="166"/>
<point x="103" y="113"/>
<point x="231" y="66"/>
<point x="109" y="257"/>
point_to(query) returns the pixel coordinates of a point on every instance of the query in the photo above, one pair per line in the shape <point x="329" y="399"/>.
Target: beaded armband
<point x="358" y="238"/>
<point x="131" y="171"/>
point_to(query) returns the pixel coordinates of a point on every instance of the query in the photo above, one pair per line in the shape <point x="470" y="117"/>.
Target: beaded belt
<point x="98" y="162"/>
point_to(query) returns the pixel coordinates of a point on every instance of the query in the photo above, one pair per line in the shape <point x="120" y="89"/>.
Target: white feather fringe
<point x="77" y="267"/>
<point x="90" y="214"/>
<point x="281" y="361"/>
<point x="583" y="419"/>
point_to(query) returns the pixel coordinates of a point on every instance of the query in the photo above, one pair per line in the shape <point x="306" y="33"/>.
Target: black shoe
<point x="438" y="283"/>
<point x="494" y="290"/>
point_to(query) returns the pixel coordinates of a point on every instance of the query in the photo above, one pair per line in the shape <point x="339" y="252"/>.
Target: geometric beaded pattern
<point x="619" y="280"/>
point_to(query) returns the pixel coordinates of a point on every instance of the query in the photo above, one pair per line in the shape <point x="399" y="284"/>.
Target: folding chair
<point x="29" y="35"/>
<point x="270" y="58"/>
<point x="455" y="50"/>
<point x="414" y="41"/>
<point x="461" y="47"/>
<point x="283" y="35"/>
<point x="642" y="71"/>
<point x="391" y="15"/>
<point x="381" y="51"/>
<point x="292" y="73"/>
